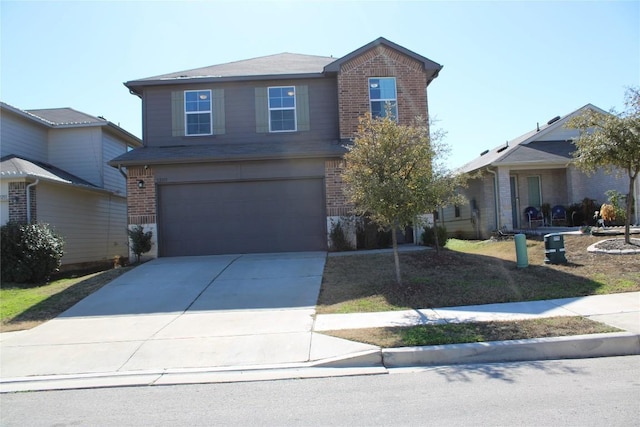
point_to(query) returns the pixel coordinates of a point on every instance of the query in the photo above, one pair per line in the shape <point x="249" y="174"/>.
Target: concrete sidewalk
<point x="209" y="338"/>
<point x="619" y="310"/>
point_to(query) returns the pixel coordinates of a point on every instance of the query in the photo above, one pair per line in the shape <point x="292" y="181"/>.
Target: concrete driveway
<point x="185" y="312"/>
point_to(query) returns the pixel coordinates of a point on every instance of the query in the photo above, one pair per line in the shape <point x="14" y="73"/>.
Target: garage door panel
<point x="241" y="217"/>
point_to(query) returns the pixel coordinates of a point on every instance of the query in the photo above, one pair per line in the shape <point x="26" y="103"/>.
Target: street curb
<point x="367" y="358"/>
<point x="570" y="347"/>
<point x="183" y="376"/>
<point x="370" y="362"/>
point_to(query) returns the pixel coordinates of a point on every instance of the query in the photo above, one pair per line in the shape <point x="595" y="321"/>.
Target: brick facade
<point x="380" y="61"/>
<point x="336" y="199"/>
<point x="18" y="202"/>
<point x="141" y="201"/>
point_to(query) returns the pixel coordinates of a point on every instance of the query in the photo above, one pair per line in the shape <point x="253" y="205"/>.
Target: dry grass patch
<point x="469" y="273"/>
<point x="457" y="333"/>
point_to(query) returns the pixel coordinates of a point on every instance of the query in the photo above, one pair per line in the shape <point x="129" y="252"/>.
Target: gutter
<point x="33" y="184"/>
<point x="497" y="195"/>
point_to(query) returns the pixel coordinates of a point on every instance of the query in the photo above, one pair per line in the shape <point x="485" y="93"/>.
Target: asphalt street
<point x="585" y="392"/>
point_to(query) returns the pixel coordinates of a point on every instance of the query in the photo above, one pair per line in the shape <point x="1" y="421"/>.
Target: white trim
<point x="186" y="113"/>
<point x="385" y="100"/>
<point x="294" y="108"/>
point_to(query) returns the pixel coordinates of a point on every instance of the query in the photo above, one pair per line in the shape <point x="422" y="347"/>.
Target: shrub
<point x="618" y="201"/>
<point x="140" y="241"/>
<point x="428" y="236"/>
<point x="338" y="239"/>
<point x="582" y="213"/>
<point x="370" y="236"/>
<point x="30" y="252"/>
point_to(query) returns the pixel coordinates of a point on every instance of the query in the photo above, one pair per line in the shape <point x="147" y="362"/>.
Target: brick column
<point x="141" y="202"/>
<point x="18" y="202"/>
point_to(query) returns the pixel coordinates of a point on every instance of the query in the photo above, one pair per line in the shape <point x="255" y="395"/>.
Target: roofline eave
<point x="191" y="160"/>
<point x="60" y="182"/>
<point x="135" y="85"/>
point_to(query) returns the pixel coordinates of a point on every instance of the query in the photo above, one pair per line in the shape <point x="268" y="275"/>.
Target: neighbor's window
<point x="282" y="109"/>
<point x="197" y="112"/>
<point x="382" y="91"/>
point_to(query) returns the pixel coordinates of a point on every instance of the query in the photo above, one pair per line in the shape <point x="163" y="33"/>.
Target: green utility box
<point x="554" y="249"/>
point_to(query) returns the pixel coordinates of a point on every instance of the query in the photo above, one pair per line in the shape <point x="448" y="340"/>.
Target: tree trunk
<point x="435" y="231"/>
<point x="627" y="223"/>
<point x="394" y="241"/>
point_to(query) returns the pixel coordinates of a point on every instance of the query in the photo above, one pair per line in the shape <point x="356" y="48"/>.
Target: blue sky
<point x="507" y="65"/>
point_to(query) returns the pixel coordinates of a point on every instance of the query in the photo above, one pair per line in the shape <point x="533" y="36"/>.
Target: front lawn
<point x="470" y="273"/>
<point x="25" y="306"/>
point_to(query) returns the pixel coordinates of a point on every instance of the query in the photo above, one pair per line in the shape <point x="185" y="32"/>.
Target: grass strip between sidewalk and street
<point x="459" y="333"/>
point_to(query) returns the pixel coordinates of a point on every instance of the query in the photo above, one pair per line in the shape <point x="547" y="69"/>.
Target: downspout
<point x="497" y="196"/>
<point x="122" y="172"/>
<point x="33" y="184"/>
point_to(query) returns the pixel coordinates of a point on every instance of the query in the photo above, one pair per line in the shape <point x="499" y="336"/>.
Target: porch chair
<point x="533" y="216"/>
<point x="559" y="215"/>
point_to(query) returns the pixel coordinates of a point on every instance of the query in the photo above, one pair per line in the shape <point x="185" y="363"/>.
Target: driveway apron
<point x="183" y="312"/>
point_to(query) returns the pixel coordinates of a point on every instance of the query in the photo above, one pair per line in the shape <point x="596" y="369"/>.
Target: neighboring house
<point x="529" y="171"/>
<point x="246" y="156"/>
<point x="53" y="169"/>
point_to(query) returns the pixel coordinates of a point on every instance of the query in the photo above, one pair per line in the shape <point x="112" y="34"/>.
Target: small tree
<point x="391" y="175"/>
<point x="611" y="141"/>
<point x="140" y="241"/>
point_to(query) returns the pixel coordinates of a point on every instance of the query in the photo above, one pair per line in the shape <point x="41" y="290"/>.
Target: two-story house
<point x="53" y="169"/>
<point x="246" y="156"/>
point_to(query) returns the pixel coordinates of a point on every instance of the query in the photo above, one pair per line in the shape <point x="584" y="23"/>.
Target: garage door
<point x="241" y="217"/>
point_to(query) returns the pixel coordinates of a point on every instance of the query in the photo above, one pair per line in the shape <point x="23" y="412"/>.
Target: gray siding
<point x="93" y="224"/>
<point x="22" y="137"/>
<point x="113" y="179"/>
<point x="78" y="151"/>
<point x="240" y="118"/>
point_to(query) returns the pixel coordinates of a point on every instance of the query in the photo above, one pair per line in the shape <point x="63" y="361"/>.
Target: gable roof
<point x="279" y="66"/>
<point x="70" y="118"/>
<point x="529" y="148"/>
<point x="432" y="68"/>
<point x="12" y="166"/>
<point x="271" y="67"/>
<point x="65" y="117"/>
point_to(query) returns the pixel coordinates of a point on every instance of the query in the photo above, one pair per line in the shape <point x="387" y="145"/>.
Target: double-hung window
<point x="382" y="93"/>
<point x="282" y="109"/>
<point x="197" y="112"/>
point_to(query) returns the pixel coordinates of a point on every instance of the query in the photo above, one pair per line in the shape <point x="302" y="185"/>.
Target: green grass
<point x="24" y="306"/>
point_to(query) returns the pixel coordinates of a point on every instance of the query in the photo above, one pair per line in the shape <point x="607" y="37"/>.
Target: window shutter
<point x="217" y="105"/>
<point x="177" y="113"/>
<point x="302" y="107"/>
<point x="262" y="110"/>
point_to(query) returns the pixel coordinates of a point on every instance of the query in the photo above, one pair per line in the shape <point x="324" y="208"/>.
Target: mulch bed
<point x="618" y="245"/>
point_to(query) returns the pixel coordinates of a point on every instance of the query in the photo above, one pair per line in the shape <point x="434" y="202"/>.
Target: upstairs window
<point x="382" y="91"/>
<point x="282" y="109"/>
<point x="197" y="112"/>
